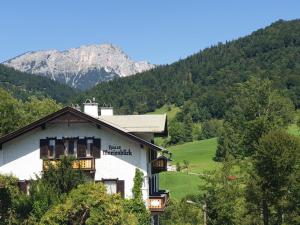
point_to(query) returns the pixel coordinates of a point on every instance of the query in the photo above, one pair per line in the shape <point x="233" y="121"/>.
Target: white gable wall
<point x="21" y="156"/>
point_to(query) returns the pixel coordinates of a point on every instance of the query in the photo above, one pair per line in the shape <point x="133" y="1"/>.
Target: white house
<point x="107" y="147"/>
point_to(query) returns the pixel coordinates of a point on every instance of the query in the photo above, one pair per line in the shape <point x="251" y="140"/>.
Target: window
<point x="114" y="186"/>
<point x="89" y="147"/>
<point x="24" y="186"/>
<point x="81" y="148"/>
<point x="51" y="148"/>
<point x="111" y="186"/>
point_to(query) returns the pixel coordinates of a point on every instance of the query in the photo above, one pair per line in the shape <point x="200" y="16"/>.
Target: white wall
<point x="21" y="156"/>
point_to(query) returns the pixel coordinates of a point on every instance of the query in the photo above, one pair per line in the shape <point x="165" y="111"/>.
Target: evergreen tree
<point x="223" y="193"/>
<point x="188" y="128"/>
<point x="272" y="184"/>
<point x="256" y="109"/>
<point x="177" y="133"/>
<point x="63" y="178"/>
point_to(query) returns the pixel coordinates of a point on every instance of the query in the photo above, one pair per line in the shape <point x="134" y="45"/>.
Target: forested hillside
<point x="207" y="77"/>
<point x="22" y="85"/>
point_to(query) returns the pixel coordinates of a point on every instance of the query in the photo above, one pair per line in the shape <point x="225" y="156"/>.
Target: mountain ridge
<point x="23" y="85"/>
<point x="81" y="67"/>
<point x="202" y="82"/>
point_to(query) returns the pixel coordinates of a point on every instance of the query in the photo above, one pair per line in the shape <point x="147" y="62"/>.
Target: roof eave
<point x="41" y="122"/>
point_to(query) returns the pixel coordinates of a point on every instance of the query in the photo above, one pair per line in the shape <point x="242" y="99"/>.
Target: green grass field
<point x="164" y="109"/>
<point x="200" y="156"/>
<point x="179" y="184"/>
<point x="198" y="153"/>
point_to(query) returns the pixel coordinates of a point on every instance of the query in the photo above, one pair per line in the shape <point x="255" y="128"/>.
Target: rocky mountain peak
<point x="81" y="67"/>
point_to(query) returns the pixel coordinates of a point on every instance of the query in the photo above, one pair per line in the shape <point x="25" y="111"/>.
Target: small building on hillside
<point x="107" y="147"/>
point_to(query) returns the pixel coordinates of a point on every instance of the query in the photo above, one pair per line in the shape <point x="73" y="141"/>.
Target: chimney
<point x="107" y="111"/>
<point x="91" y="108"/>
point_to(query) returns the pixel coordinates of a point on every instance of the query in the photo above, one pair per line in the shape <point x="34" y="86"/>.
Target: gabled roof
<point x="139" y="123"/>
<point x="63" y="111"/>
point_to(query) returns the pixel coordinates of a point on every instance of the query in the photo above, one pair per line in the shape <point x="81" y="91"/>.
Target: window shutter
<point x="71" y="147"/>
<point x="81" y="148"/>
<point x="59" y="148"/>
<point x="96" y="149"/>
<point x="44" y="147"/>
<point x="121" y="187"/>
<point x="22" y="186"/>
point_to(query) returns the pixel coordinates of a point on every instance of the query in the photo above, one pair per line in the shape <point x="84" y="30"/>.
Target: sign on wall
<point x="117" y="150"/>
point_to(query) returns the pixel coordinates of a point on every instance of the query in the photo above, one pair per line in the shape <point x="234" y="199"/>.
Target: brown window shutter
<point x="44" y="147"/>
<point x="22" y="186"/>
<point x="121" y="187"/>
<point x="59" y="148"/>
<point x="96" y="148"/>
<point x="71" y="147"/>
<point x="81" y="148"/>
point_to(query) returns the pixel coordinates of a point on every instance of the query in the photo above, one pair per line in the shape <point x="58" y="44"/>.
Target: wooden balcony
<point x="158" y="201"/>
<point x="159" y="165"/>
<point x="87" y="164"/>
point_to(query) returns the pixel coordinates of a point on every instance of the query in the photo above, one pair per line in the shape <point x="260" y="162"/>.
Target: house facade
<point x="107" y="147"/>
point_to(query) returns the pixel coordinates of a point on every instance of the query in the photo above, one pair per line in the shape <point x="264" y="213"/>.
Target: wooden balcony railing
<point x="158" y="201"/>
<point x="82" y="164"/>
<point x="159" y="165"/>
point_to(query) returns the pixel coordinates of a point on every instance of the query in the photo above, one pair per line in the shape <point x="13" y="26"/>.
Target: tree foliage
<point x="136" y="205"/>
<point x="210" y="129"/>
<point x="63" y="195"/>
<point x="137" y="185"/>
<point x="89" y="204"/>
<point x="62" y="177"/>
<point x="22" y="86"/>
<point x="10" y="113"/>
<point x="15" y="113"/>
<point x="182" y="213"/>
<point x="272" y="186"/>
<point x="223" y="194"/>
<point x="206" y="78"/>
<point x="256" y="109"/>
<point x="177" y="134"/>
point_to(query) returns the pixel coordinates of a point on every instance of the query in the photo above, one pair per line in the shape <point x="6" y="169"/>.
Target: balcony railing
<point x="158" y="201"/>
<point x="82" y="164"/>
<point x="159" y="165"/>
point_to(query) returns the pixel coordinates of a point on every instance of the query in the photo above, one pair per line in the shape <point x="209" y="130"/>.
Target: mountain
<point x="81" y="67"/>
<point x="203" y="82"/>
<point x="22" y="85"/>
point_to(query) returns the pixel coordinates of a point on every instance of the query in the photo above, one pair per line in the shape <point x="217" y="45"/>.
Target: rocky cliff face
<point x="81" y="67"/>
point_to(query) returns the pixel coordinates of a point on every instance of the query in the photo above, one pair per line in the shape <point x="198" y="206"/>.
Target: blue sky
<point x="160" y="31"/>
